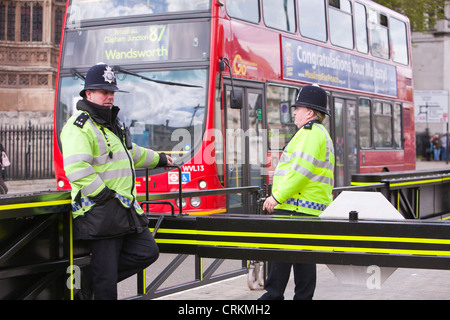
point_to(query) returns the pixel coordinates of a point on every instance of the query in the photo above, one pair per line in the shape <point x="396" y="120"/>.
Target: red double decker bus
<point x="211" y="83"/>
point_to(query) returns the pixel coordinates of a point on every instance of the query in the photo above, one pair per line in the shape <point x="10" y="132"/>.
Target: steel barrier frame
<point x="34" y="246"/>
<point x="415" y="194"/>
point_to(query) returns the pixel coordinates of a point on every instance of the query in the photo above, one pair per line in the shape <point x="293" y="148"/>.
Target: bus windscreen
<point x="166" y="115"/>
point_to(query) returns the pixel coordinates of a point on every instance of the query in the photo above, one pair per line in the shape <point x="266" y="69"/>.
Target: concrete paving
<point x="403" y="284"/>
<point x="17" y="187"/>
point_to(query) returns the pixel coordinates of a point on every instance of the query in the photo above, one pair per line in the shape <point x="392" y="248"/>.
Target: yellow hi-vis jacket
<point x="304" y="178"/>
<point x="95" y="158"/>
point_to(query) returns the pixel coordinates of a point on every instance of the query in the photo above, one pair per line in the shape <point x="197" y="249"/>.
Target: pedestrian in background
<point x="436" y="144"/>
<point x="4" y="162"/>
<point x="444" y="147"/>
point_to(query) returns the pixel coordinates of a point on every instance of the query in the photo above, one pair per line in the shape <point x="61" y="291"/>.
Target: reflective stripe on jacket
<point x="304" y="178"/>
<point x="95" y="157"/>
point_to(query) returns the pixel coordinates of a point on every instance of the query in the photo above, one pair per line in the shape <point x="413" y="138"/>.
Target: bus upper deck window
<point x="279" y="16"/>
<point x="247" y="10"/>
<point x="361" y="28"/>
<point x="312" y="19"/>
<point x="379" y="39"/>
<point x="397" y="30"/>
<point x="99" y="9"/>
<point x="341" y="26"/>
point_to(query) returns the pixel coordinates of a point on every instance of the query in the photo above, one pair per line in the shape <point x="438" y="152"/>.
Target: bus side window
<point x="398" y="141"/>
<point x="397" y="30"/>
<point x="379" y="39"/>
<point x="365" y="129"/>
<point x="382" y="125"/>
<point x="361" y="28"/>
<point x="312" y="19"/>
<point x="280" y="124"/>
<point x="278" y="16"/>
<point x="341" y="26"/>
<point x="247" y="10"/>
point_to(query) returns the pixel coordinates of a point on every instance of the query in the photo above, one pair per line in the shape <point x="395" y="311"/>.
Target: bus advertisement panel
<point x="312" y="63"/>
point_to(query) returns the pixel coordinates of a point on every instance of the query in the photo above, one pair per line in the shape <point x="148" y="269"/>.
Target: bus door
<point x="245" y="143"/>
<point x="346" y="147"/>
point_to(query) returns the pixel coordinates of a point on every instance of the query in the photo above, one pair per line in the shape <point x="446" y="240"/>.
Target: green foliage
<point x="422" y="14"/>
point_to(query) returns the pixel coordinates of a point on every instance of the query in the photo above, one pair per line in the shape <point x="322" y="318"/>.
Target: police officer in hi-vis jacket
<point x="302" y="185"/>
<point x="99" y="162"/>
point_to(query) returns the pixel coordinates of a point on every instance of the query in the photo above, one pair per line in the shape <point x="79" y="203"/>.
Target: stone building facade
<point x="30" y="33"/>
<point x="431" y="63"/>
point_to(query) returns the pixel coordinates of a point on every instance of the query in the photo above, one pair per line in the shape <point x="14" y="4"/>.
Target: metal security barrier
<point x="35" y="246"/>
<point x="415" y="194"/>
<point x="38" y="258"/>
<point x="407" y="244"/>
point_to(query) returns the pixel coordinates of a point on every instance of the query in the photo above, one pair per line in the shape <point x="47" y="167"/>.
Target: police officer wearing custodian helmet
<point x="99" y="161"/>
<point x="302" y="185"/>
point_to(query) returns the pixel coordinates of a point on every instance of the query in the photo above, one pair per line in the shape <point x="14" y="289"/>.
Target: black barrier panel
<point x="33" y="259"/>
<point x="415" y="194"/>
<point x="409" y="244"/>
<point x="35" y="247"/>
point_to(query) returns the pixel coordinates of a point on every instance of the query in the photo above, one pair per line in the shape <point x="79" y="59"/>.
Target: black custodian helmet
<point x="313" y="97"/>
<point x="101" y="76"/>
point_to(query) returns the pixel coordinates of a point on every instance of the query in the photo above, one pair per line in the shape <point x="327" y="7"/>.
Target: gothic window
<point x="2" y="21"/>
<point x="37" y="22"/>
<point x="11" y="23"/>
<point x="58" y="25"/>
<point x="25" y="17"/>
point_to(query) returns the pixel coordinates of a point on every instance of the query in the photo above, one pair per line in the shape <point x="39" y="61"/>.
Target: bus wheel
<point x="255" y="275"/>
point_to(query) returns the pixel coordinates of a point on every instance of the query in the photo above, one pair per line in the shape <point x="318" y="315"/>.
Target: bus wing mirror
<point x="236" y="95"/>
<point x="236" y="99"/>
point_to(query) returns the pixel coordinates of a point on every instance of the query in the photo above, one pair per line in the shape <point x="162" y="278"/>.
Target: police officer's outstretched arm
<point x="147" y="158"/>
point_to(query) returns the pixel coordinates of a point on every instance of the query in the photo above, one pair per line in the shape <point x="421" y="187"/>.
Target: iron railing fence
<point x="30" y="151"/>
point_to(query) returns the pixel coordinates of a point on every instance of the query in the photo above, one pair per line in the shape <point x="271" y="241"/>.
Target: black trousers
<point x="278" y="277"/>
<point x="305" y="275"/>
<point x="3" y="187"/>
<point x="115" y="259"/>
